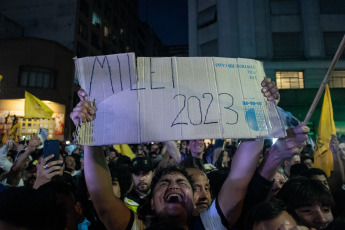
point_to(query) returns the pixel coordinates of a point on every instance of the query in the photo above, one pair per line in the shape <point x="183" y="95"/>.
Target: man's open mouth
<point x="174" y="198"/>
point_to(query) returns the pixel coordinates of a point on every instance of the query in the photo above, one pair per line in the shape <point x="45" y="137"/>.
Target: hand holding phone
<point x="46" y="170"/>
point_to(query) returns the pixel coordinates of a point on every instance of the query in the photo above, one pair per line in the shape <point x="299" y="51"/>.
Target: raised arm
<point x="5" y="164"/>
<point x="283" y="149"/>
<point x="337" y="178"/>
<point x="19" y="164"/>
<point x="173" y="151"/>
<point x="233" y="191"/>
<point x="243" y="166"/>
<point x="111" y="210"/>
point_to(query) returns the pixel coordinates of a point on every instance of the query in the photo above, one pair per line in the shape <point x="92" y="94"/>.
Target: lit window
<point x="337" y="79"/>
<point x="106" y="31"/>
<point x="96" y="20"/>
<point x="37" y="77"/>
<point x="289" y="80"/>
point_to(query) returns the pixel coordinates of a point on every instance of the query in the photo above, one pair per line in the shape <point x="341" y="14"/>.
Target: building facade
<point x="40" y="38"/>
<point x="295" y="39"/>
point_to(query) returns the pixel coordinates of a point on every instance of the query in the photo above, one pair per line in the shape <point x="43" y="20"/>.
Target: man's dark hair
<point x="217" y="178"/>
<point x="193" y="162"/>
<point x="263" y="211"/>
<point x="123" y="176"/>
<point x="307" y="150"/>
<point x="301" y="191"/>
<point x="297" y="169"/>
<point x="162" y="171"/>
<point x="305" y="157"/>
<point x="309" y="173"/>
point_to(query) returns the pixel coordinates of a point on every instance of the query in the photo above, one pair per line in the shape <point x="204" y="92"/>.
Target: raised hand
<point x="286" y="148"/>
<point x="270" y="90"/>
<point x="83" y="111"/>
<point x="46" y="171"/>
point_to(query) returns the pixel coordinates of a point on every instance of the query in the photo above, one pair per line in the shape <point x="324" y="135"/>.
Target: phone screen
<point x="51" y="147"/>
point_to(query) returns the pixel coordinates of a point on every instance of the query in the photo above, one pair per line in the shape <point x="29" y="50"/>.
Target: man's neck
<point x="142" y="194"/>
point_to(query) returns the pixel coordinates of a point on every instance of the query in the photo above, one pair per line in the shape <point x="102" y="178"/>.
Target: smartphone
<point x="51" y="147"/>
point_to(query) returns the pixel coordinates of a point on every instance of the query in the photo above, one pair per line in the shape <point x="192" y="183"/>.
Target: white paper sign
<point x="175" y="98"/>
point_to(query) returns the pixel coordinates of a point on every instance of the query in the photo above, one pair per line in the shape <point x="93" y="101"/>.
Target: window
<point x="284" y="7"/>
<point x="287" y="45"/>
<point x="207" y="17"/>
<point x="209" y="48"/>
<point x="331" y="41"/>
<point x="82" y="51"/>
<point x="83" y="30"/>
<point x="95" y="40"/>
<point x="289" y="80"/>
<point x="337" y="80"/>
<point x="332" y="6"/>
<point x="37" y="77"/>
<point x="96" y="20"/>
<point x="84" y="8"/>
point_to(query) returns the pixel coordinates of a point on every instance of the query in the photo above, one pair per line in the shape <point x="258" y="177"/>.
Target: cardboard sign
<point x="174" y="98"/>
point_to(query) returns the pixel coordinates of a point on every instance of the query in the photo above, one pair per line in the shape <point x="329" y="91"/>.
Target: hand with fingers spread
<point x="83" y="111"/>
<point x="46" y="171"/>
<point x="270" y="90"/>
<point x="286" y="148"/>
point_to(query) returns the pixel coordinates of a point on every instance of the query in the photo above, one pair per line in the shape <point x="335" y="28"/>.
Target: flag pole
<point x="325" y="80"/>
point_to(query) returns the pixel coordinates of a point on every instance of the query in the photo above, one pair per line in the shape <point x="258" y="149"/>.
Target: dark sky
<point x="168" y="18"/>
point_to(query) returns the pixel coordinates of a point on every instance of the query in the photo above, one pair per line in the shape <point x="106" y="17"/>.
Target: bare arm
<point x="283" y="149"/>
<point x="337" y="177"/>
<point x="173" y="151"/>
<point x="233" y="191"/>
<point x="112" y="211"/>
<point x="15" y="173"/>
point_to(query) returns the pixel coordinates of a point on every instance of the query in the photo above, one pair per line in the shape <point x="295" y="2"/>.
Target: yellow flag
<point x="14" y="131"/>
<point x="124" y="150"/>
<point x="323" y="158"/>
<point x="4" y="138"/>
<point x="35" y="108"/>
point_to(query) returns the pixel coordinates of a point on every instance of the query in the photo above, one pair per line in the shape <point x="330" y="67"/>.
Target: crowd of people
<point x="250" y="184"/>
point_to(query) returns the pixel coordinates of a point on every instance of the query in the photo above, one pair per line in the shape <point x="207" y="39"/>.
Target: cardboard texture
<point x="174" y="98"/>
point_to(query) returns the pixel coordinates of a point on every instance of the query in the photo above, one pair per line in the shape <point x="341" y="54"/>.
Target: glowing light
<point x="68" y="142"/>
<point x="274" y="140"/>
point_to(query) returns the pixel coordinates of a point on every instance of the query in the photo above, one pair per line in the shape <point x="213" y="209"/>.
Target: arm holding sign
<point x="245" y="162"/>
<point x="243" y="167"/>
<point x="112" y="211"/>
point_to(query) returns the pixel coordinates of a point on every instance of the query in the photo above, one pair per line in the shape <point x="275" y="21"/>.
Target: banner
<point x="174" y="98"/>
<point x="35" y="108"/>
<point x="125" y="150"/>
<point x="323" y="157"/>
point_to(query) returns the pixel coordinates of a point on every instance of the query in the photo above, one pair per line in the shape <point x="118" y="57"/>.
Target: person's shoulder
<point x="213" y="217"/>
<point x="135" y="223"/>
